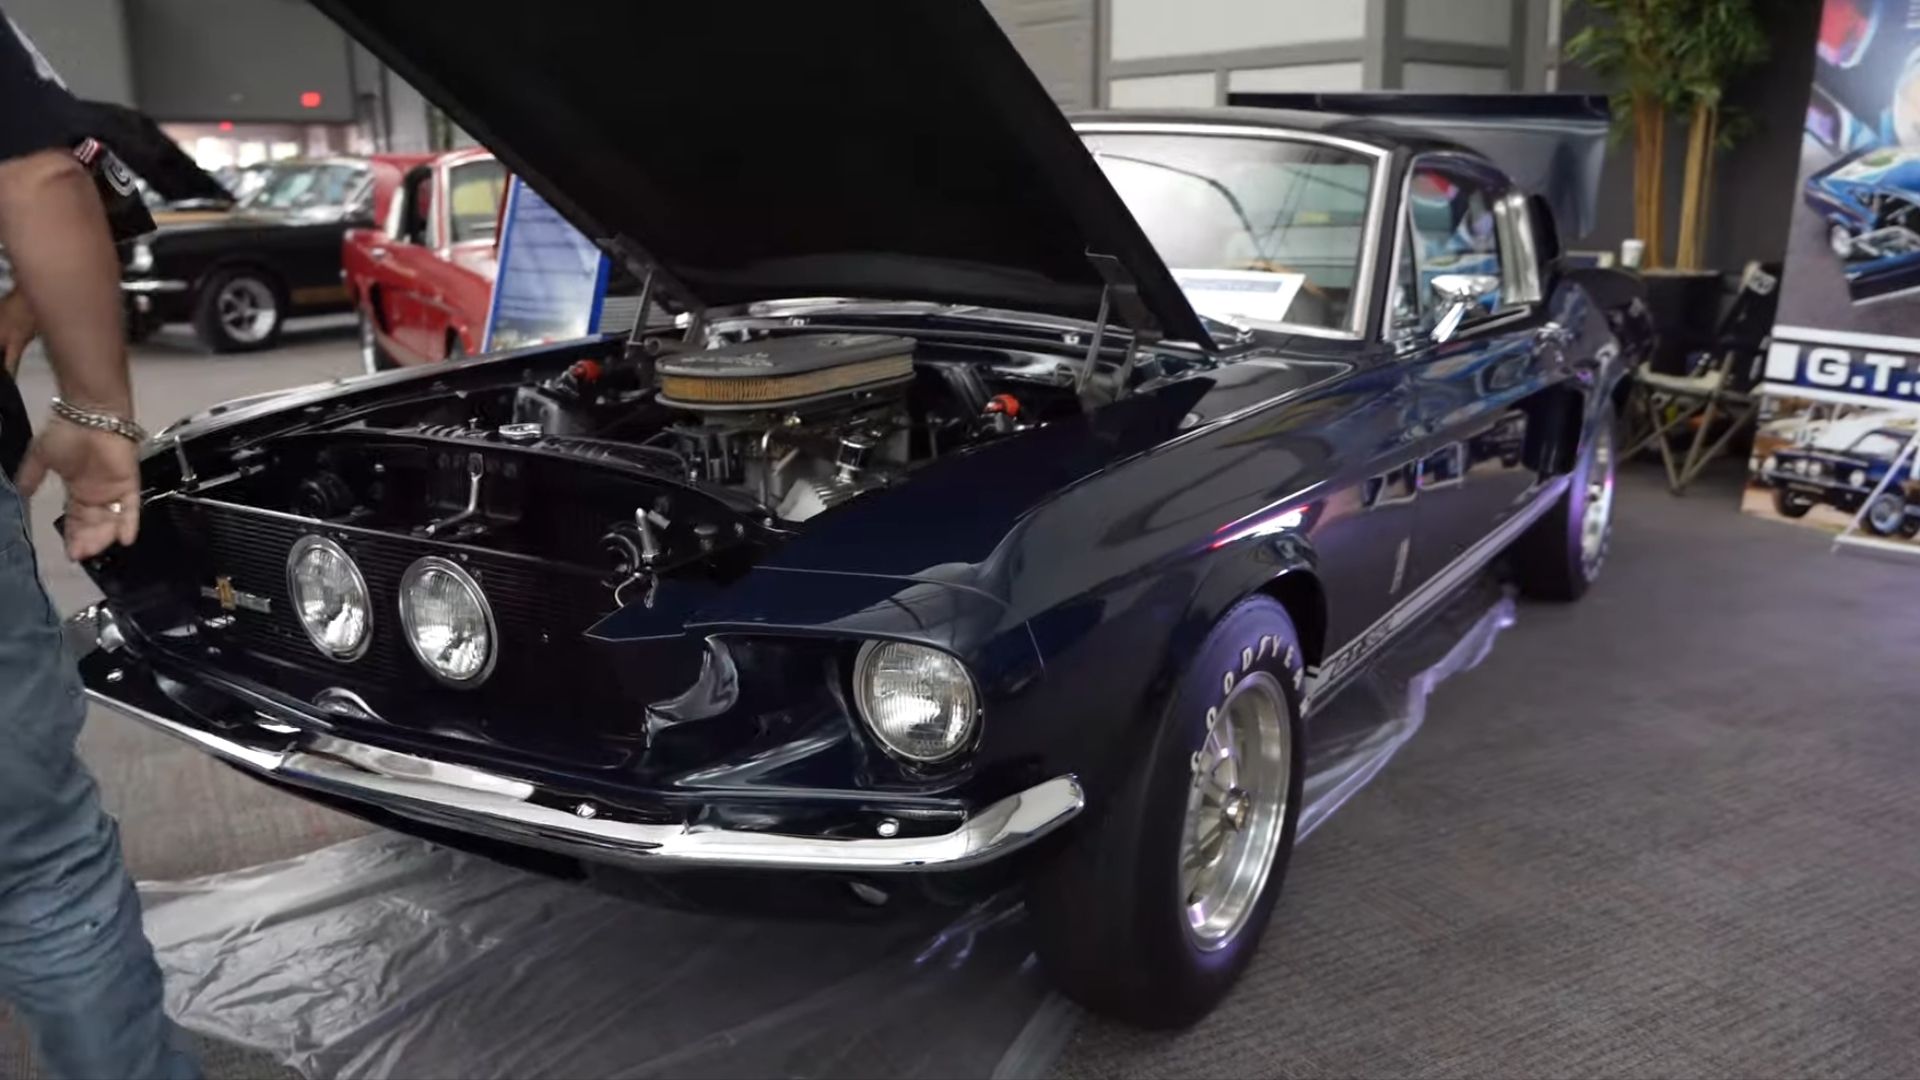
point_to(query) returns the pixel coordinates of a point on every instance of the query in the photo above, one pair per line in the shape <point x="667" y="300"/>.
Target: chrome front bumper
<point x="153" y="285"/>
<point x="463" y="798"/>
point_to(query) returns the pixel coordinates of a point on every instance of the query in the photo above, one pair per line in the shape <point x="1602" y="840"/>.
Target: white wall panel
<point x="1150" y="28"/>
<point x="1464" y="22"/>
<point x="1162" y="91"/>
<point x="1057" y="39"/>
<point x="1452" y="78"/>
<point x="1304" y="77"/>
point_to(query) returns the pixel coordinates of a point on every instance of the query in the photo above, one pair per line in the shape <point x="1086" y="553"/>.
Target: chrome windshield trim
<point x="1364" y="274"/>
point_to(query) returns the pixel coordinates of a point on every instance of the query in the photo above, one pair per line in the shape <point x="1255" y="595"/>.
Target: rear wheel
<point x="239" y="311"/>
<point x="1791" y="504"/>
<point x="1561" y="554"/>
<point x="1154" y="909"/>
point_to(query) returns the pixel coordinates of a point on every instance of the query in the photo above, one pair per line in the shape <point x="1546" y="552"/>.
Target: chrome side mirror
<point x="1457" y="294"/>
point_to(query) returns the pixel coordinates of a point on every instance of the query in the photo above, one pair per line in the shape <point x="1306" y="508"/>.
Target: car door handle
<point x="378" y="253"/>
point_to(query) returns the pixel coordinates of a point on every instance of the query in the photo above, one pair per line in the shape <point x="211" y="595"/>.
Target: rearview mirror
<point x="1457" y="294"/>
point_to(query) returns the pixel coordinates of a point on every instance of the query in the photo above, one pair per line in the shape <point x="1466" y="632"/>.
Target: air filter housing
<point x="776" y="373"/>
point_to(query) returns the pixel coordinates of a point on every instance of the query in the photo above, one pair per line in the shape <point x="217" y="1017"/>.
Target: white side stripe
<point x="1327" y="679"/>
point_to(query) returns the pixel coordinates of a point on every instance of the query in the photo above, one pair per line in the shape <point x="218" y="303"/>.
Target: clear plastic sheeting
<point x="389" y="956"/>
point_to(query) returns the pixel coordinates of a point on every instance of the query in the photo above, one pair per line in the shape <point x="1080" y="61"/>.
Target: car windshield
<point x="1879" y="444"/>
<point x="1256" y="230"/>
<point x="304" y="187"/>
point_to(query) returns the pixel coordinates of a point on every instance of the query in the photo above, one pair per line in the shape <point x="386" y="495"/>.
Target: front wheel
<point x="1791" y="504"/>
<point x="239" y="311"/>
<point x="1840" y="241"/>
<point x="1886" y="514"/>
<point x="1560" y="555"/>
<point x="1154" y="909"/>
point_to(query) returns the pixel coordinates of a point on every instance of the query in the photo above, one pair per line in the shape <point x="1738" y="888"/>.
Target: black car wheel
<point x="1791" y="504"/>
<point x="1561" y="554"/>
<point x="372" y="357"/>
<point x="1886" y="514"/>
<point x="1156" y="906"/>
<point x="1840" y="240"/>
<point x="239" y="311"/>
<point x="1910" y="528"/>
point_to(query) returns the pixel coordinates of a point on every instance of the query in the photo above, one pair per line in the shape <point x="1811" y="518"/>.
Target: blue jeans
<point x="73" y="958"/>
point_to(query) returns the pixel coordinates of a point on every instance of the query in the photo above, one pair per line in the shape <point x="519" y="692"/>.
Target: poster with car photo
<point x="1838" y="445"/>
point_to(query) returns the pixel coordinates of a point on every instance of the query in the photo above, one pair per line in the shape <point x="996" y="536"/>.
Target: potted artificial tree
<point x="1668" y="58"/>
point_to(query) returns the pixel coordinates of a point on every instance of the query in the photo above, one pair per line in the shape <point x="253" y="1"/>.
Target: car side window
<point x="474" y="191"/>
<point x="1454" y="241"/>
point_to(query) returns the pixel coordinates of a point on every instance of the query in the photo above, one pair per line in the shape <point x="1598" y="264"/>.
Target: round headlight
<point x="140" y="259"/>
<point x="1772" y="464"/>
<point x="448" y="622"/>
<point x="1858" y="478"/>
<point x="920" y="702"/>
<point x="329" y="597"/>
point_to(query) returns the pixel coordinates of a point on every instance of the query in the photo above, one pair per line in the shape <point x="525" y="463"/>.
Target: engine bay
<point x="691" y="455"/>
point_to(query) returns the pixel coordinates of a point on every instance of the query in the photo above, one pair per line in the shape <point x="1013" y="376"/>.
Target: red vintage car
<point x="422" y="279"/>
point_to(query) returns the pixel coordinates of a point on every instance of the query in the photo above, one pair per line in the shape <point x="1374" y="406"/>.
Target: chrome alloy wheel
<point x="1840" y="240"/>
<point x="1236" y="809"/>
<point x="1885" y="513"/>
<point x="247" y="310"/>
<point x="1596" y="521"/>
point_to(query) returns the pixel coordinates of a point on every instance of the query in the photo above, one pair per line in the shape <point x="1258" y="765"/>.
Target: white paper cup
<point x="1631" y="252"/>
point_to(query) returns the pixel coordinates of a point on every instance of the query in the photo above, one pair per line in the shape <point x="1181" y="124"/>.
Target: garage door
<point x="1058" y="38"/>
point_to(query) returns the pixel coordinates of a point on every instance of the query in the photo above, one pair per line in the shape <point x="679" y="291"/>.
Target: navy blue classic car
<point x="1845" y="477"/>
<point x="1870" y="202"/>
<point x="946" y="539"/>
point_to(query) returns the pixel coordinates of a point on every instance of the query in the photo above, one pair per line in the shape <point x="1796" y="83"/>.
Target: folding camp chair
<point x="1720" y="390"/>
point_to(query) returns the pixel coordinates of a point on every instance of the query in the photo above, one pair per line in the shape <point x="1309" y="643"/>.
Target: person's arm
<point x="55" y="232"/>
<point x="16" y="330"/>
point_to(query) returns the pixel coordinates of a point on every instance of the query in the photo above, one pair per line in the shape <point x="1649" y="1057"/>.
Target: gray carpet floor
<point x="1670" y="831"/>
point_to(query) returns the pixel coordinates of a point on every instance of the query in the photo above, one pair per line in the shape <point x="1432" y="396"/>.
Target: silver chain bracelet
<point x="98" y="421"/>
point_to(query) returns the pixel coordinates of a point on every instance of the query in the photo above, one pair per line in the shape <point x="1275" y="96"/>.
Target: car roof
<point x="1385" y="134"/>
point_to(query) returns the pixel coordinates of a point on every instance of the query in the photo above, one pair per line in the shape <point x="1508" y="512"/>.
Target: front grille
<point x="539" y="609"/>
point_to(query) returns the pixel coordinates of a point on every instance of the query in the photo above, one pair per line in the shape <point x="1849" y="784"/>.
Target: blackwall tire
<point x="240" y="311"/>
<point x="1790" y="505"/>
<point x="1115" y="912"/>
<point x="1886" y="514"/>
<point x="1562" y="554"/>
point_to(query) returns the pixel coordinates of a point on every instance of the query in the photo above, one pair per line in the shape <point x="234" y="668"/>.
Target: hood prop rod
<point x="1118" y="295"/>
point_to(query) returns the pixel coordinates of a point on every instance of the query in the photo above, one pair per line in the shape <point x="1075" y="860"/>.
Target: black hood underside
<point x="863" y="148"/>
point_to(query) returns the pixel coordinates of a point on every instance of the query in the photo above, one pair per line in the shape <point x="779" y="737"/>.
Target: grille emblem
<point x="232" y="599"/>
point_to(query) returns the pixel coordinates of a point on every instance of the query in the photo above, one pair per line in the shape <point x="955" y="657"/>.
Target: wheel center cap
<point x="1236" y="808"/>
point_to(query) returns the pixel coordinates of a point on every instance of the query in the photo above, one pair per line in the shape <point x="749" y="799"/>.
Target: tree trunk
<point x="1656" y="184"/>
<point x="1693" y="187"/>
<point x="1706" y="178"/>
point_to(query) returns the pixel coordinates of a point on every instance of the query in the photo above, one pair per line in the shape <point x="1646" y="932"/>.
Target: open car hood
<point x="871" y="148"/>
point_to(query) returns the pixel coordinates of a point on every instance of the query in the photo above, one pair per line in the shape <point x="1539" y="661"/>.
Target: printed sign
<point x="551" y="281"/>
<point x="1240" y="295"/>
<point x="1840" y="385"/>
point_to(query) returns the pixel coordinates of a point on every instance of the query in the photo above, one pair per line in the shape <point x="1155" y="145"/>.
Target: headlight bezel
<point x="301" y="547"/>
<point x="408" y="580"/>
<point x="863" y="666"/>
<point x="1857" y="478"/>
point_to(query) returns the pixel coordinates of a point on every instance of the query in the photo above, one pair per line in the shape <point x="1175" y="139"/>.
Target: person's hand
<point x="17" y="328"/>
<point x="101" y="471"/>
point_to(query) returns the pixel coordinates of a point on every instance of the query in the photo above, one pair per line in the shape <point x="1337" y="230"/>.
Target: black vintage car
<point x="1008" y="563"/>
<point x="238" y="273"/>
